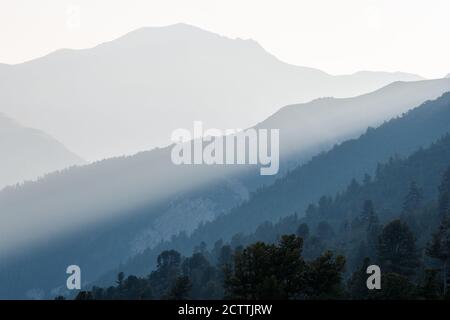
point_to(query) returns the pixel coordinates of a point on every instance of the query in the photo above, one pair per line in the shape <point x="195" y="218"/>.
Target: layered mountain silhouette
<point x="29" y="153"/>
<point x="128" y="95"/>
<point x="115" y="208"/>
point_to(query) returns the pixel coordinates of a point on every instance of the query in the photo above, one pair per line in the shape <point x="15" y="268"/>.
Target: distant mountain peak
<point x="177" y="27"/>
<point x="182" y="31"/>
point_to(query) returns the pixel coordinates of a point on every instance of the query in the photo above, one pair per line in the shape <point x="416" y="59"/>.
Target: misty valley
<point x="124" y="176"/>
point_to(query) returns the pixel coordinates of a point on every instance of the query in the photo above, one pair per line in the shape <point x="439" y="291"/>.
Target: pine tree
<point x="439" y="248"/>
<point x="413" y="199"/>
<point x="84" y="295"/>
<point x="324" y="277"/>
<point x="397" y="250"/>
<point x="370" y="221"/>
<point x="267" y="271"/>
<point x="303" y="231"/>
<point x="167" y="271"/>
<point x="444" y="195"/>
<point x="395" y="287"/>
<point x="120" y="277"/>
<point x="368" y="215"/>
<point x="357" y="285"/>
<point x="180" y="290"/>
<point x="430" y="288"/>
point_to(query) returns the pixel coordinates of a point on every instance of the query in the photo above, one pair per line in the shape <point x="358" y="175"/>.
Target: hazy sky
<point x="335" y="36"/>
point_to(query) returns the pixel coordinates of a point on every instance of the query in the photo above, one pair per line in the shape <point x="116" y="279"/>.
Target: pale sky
<point x="335" y="36"/>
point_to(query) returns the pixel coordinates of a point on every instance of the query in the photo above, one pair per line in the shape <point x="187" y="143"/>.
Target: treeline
<point x="259" y="271"/>
<point x="279" y="271"/>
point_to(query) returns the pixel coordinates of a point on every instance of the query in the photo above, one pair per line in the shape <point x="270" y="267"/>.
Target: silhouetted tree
<point x="397" y="250"/>
<point x="167" y="271"/>
<point x="413" y="199"/>
<point x="368" y="215"/>
<point x="395" y="287"/>
<point x="439" y="248"/>
<point x="357" y="284"/>
<point x="303" y="231"/>
<point x="84" y="295"/>
<point x="120" y="277"/>
<point x="370" y="221"/>
<point x="267" y="271"/>
<point x="444" y="195"/>
<point x="180" y="290"/>
<point x="324" y="277"/>
<point x="430" y="287"/>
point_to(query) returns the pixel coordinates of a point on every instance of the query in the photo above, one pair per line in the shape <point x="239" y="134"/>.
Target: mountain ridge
<point x="186" y="27"/>
<point x="131" y="80"/>
<point x="29" y="153"/>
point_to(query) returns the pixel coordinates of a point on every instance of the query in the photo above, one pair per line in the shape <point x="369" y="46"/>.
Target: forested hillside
<point x="398" y="219"/>
<point x="327" y="174"/>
